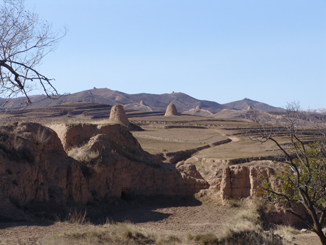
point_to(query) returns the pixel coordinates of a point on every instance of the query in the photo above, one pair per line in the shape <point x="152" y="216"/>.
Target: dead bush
<point x="82" y="155"/>
<point x="77" y="217"/>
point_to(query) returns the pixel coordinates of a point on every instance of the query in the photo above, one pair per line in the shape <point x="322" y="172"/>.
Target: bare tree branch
<point x="303" y="180"/>
<point x="24" y="41"/>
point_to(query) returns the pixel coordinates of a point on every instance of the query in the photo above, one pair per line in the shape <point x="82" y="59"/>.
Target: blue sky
<point x="273" y="51"/>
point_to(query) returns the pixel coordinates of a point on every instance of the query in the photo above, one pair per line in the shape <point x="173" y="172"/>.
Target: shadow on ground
<point x="143" y="209"/>
<point x="135" y="210"/>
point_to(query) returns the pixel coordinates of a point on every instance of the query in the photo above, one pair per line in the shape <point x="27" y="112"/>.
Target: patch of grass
<point x="82" y="155"/>
<point x="122" y="233"/>
<point x="246" y="228"/>
<point x="190" y="236"/>
<point x="41" y="136"/>
<point x="234" y="203"/>
<point x="206" y="238"/>
<point x="174" y="239"/>
<point x="76" y="217"/>
<point x="287" y="232"/>
<point x="244" y="221"/>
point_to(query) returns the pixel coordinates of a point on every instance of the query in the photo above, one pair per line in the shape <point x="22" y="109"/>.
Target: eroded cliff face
<point x="35" y="168"/>
<point x="123" y="169"/>
<point x="241" y="181"/>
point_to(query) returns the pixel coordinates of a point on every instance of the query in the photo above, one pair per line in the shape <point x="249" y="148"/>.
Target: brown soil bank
<point x="37" y="172"/>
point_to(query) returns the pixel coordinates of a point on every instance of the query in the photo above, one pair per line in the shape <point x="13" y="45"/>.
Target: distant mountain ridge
<point x="246" y="103"/>
<point x="320" y="110"/>
<point x="143" y="102"/>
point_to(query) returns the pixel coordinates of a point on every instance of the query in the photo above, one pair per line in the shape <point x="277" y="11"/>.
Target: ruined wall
<point x="35" y="168"/>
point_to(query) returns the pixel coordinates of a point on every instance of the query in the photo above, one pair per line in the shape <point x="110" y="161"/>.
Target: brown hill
<point x="143" y="101"/>
<point x="249" y="114"/>
<point x="246" y="103"/>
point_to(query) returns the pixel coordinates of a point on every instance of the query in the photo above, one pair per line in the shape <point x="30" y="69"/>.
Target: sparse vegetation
<point x="246" y="228"/>
<point x="123" y="233"/>
<point x="301" y="189"/>
<point x="76" y="217"/>
<point x="82" y="155"/>
<point x="287" y="232"/>
<point x="41" y="136"/>
<point x="248" y="231"/>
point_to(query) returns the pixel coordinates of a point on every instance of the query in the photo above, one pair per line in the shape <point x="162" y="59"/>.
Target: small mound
<point x="249" y="108"/>
<point x="118" y="114"/>
<point x="171" y="110"/>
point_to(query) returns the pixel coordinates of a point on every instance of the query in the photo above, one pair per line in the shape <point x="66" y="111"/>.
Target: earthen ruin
<point x="171" y="110"/>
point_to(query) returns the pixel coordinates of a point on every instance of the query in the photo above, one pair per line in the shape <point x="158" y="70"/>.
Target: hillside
<point x="246" y="103"/>
<point x="142" y="102"/>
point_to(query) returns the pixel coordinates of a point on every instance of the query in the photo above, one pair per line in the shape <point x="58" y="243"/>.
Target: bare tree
<point x="303" y="177"/>
<point x="24" y="41"/>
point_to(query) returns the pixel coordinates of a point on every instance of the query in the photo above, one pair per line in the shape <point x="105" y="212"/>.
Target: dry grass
<point x="287" y="232"/>
<point x="82" y="155"/>
<point x="246" y="220"/>
<point x="41" y="136"/>
<point x="246" y="228"/>
<point x="123" y="233"/>
<point x="76" y="217"/>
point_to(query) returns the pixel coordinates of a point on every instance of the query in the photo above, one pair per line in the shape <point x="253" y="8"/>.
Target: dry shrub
<point x="82" y="155"/>
<point x="234" y="203"/>
<point x="287" y="232"/>
<point x="206" y="239"/>
<point x="41" y="136"/>
<point x="122" y="233"/>
<point x="246" y="228"/>
<point x="246" y="220"/>
<point x="76" y="217"/>
<point x="17" y="143"/>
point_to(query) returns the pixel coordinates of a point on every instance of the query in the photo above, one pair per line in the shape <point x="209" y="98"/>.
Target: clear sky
<point x="272" y="51"/>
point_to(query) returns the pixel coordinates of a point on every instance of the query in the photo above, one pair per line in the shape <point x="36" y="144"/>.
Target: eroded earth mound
<point x="106" y="163"/>
<point x="118" y="114"/>
<point x="171" y="110"/>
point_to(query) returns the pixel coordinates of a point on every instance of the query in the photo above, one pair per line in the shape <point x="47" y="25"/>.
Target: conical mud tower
<point x="118" y="114"/>
<point x="171" y="110"/>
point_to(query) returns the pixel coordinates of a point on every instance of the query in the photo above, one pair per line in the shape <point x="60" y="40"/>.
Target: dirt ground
<point x="177" y="220"/>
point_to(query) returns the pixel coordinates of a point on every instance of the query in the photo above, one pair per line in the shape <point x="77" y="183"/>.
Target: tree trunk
<point x="322" y="237"/>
